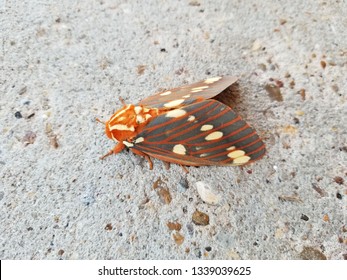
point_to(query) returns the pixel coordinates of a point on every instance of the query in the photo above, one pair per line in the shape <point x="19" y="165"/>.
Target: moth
<point x="186" y="126"/>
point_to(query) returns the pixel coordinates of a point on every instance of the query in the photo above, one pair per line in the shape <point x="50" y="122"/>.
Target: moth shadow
<point x="231" y="96"/>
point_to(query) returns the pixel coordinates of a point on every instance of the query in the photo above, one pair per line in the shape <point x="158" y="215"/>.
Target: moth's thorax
<point x="127" y="122"/>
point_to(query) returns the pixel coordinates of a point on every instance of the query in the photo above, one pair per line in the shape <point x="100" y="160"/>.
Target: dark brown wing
<point x="204" y="133"/>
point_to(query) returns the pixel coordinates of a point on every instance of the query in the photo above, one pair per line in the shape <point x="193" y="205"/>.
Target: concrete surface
<point x="64" y="63"/>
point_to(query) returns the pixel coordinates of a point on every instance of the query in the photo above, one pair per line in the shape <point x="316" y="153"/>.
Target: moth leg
<point x="142" y="154"/>
<point x="117" y="149"/>
<point x="184" y="168"/>
<point x="167" y="165"/>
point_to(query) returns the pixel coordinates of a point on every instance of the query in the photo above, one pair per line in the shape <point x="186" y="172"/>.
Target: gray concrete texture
<point x="64" y="63"/>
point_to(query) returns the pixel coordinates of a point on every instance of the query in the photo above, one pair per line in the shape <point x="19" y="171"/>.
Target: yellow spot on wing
<point x="179" y="149"/>
<point x="139" y="140"/>
<point x="236" y="154"/>
<point x="231" y="148"/>
<point x="241" y="160"/>
<point x="128" y="144"/>
<point x="214" y="136"/>
<point x="197" y="89"/>
<point x="191" y="118"/>
<point x="175" y="113"/>
<point x="212" y="80"/>
<point x="174" y="103"/>
<point x="165" y="93"/>
<point x="206" y="127"/>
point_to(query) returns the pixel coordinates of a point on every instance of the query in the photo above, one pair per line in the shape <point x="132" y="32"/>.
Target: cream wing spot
<point x="173" y="103"/>
<point x="241" y="160"/>
<point x="236" y="154"/>
<point x="197" y="89"/>
<point x="202" y="87"/>
<point x="179" y="149"/>
<point x="206" y="127"/>
<point x="214" y="136"/>
<point x="191" y="118"/>
<point x="212" y="80"/>
<point x="231" y="148"/>
<point x="175" y="113"/>
<point x="128" y="144"/>
<point x="165" y="93"/>
<point x="139" y="140"/>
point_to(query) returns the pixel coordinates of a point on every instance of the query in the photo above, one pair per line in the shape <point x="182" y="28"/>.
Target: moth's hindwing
<point x="204" y="133"/>
<point x="189" y="94"/>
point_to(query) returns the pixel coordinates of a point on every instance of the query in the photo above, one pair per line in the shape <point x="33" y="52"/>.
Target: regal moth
<point x="186" y="126"/>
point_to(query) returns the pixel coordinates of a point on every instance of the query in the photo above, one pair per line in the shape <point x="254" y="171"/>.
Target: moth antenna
<point x="122" y="101"/>
<point x="100" y="121"/>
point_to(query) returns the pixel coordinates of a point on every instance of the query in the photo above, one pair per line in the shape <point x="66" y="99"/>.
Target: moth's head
<point x="122" y="124"/>
<point x="127" y="122"/>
